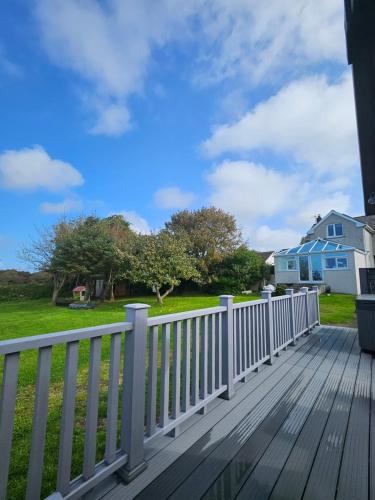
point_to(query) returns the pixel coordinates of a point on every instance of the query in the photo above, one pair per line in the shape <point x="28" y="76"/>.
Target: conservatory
<point x="321" y="262"/>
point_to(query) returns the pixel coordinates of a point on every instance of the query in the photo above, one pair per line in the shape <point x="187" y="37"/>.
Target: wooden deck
<point x="301" y="428"/>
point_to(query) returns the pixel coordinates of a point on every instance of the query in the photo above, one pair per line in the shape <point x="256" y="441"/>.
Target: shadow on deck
<point x="299" y="428"/>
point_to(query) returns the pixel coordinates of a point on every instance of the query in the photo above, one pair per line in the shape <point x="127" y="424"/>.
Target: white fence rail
<point x="172" y="366"/>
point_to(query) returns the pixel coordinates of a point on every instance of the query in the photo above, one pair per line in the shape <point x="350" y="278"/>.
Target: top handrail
<point x="171" y="318"/>
<point x="248" y="303"/>
<point x="49" y="339"/>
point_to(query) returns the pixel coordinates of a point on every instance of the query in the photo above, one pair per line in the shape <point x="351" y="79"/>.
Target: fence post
<point x="316" y="290"/>
<point x="133" y="410"/>
<point x="227" y="348"/>
<point x="290" y="292"/>
<point x="267" y="295"/>
<point x="305" y="290"/>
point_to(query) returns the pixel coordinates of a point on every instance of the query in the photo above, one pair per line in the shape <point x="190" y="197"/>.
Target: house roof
<point x="355" y="220"/>
<point x="316" y="246"/>
<point x="266" y="255"/>
<point x="369" y="220"/>
<point x="79" y="289"/>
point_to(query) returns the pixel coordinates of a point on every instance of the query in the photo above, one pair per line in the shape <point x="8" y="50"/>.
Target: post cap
<point x="226" y="296"/>
<point x="289" y="291"/>
<point x="137" y="306"/>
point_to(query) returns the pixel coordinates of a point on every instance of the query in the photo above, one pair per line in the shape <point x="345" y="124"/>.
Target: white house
<point x="334" y="250"/>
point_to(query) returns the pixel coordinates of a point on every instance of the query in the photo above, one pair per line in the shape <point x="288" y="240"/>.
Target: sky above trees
<point x="144" y="108"/>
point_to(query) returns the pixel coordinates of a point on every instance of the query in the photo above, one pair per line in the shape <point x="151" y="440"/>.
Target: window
<point x="334" y="230"/>
<point x="339" y="262"/>
<point x="287" y="264"/>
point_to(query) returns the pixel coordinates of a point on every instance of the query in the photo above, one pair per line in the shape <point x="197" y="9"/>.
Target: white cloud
<point x="33" y="168"/>
<point x="8" y="67"/>
<point x="265" y="238"/>
<point x="263" y="41"/>
<point x="304" y="216"/>
<point x="109" y="46"/>
<point x="113" y="119"/>
<point x="173" y="197"/>
<point x="249" y="191"/>
<point x="137" y="223"/>
<point x="62" y="207"/>
<point x="310" y="119"/>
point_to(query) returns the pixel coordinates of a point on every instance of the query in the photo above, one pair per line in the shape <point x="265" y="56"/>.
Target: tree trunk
<point x="111" y="292"/>
<point x="158" y="296"/>
<point x="58" y="283"/>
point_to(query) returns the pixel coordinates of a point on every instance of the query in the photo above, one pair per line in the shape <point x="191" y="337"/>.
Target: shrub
<point x="280" y="290"/>
<point x="26" y="291"/>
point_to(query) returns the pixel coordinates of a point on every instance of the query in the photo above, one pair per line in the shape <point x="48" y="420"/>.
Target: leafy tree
<point x="78" y="248"/>
<point x="160" y="262"/>
<point x="239" y="271"/>
<point x="118" y="230"/>
<point x="211" y="235"/>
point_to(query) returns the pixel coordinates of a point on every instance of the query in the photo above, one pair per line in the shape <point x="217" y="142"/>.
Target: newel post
<point x="267" y="295"/>
<point x="305" y="290"/>
<point x="290" y="293"/>
<point x="227" y="347"/>
<point x="133" y="410"/>
<point x="316" y="290"/>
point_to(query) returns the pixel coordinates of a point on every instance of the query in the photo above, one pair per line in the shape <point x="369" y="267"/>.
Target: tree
<point x="40" y="252"/>
<point x="240" y="271"/>
<point x="79" y="248"/>
<point x="211" y="235"/>
<point x="118" y="230"/>
<point x="160" y="261"/>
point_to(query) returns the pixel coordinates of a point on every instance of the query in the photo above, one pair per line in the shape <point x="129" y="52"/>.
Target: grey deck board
<point x="262" y="480"/>
<point x="164" y="451"/>
<point x="294" y="474"/>
<point x="255" y="431"/>
<point x="322" y="482"/>
<point x="301" y="428"/>
<point x="224" y="440"/>
<point x="354" y="471"/>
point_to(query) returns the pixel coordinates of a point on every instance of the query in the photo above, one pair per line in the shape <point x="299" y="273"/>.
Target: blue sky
<point x="145" y="108"/>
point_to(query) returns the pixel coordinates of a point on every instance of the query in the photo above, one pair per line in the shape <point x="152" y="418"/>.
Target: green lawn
<point x="337" y="310"/>
<point x="32" y="317"/>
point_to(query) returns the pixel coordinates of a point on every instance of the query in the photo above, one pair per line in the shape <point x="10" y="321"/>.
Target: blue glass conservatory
<point x="320" y="262"/>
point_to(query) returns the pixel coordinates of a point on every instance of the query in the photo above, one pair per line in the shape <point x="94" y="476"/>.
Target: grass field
<point x="32" y="317"/>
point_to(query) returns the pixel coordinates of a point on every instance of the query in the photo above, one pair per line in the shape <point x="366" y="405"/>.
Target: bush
<point x="280" y="290"/>
<point x="26" y="291"/>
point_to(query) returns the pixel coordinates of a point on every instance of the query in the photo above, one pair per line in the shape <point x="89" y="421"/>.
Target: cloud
<point x="62" y="207"/>
<point x="173" y="197"/>
<point x="249" y="190"/>
<point x="108" y="45"/>
<point x="137" y="223"/>
<point x="310" y="120"/>
<point x="32" y="168"/>
<point x="8" y="67"/>
<point x="265" y="238"/>
<point x="266" y="41"/>
<point x="304" y="216"/>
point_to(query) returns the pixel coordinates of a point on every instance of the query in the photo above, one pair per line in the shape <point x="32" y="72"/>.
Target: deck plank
<point x="294" y="475"/>
<point x="164" y="451"/>
<point x="301" y="428"/>
<point x="354" y="472"/>
<point x="262" y="480"/>
<point x="225" y="439"/>
<point x="323" y="477"/>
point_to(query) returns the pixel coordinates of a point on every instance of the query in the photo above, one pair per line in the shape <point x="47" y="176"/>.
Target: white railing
<point x="172" y="367"/>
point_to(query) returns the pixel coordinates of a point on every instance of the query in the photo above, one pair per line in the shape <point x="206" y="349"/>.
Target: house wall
<point x="353" y="236"/>
<point x="369" y="248"/>
<point x="340" y="281"/>
<point x="344" y="280"/>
